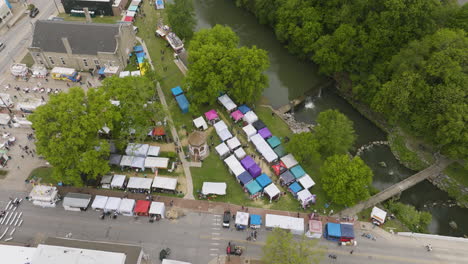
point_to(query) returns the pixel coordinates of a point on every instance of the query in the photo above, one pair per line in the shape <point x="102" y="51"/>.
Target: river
<point x="290" y="78"/>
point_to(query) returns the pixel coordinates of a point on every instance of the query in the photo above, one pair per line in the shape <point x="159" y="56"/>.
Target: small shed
<point x="153" y="151"/>
<point x="183" y="103"/>
<point x="243" y="108"/>
<point x="118" y="181"/>
<point x="378" y="216"/>
<point x="43" y="195"/>
<point x="255" y="221"/>
<point x="106" y="181"/>
<point x="242" y="220"/>
<point x="249" y="131"/>
<point x="272" y="191"/>
<point x="200" y="123"/>
<point x="218" y="188"/>
<point x="99" y="202"/>
<point x="164" y="184"/>
<point x="142" y="207"/>
<point x="222" y="149"/>
<point x="212" y="116"/>
<point x="157" y="209"/>
<point x="237" y="115"/>
<point x="274" y="141"/>
<point x="250" y="117"/>
<point x="289" y="161"/>
<point x="263" y="180"/>
<point x="333" y="231"/>
<point x="112" y="205"/>
<point x="126" y="207"/>
<point x="240" y="153"/>
<point x="306" y="181"/>
<point x="176" y="91"/>
<point x="76" y="201"/>
<point x="198" y="147"/>
<point x="287" y="178"/>
<point x="258" y="124"/>
<point x="244" y="178"/>
<point x="233" y="143"/>
<point x="297" y="171"/>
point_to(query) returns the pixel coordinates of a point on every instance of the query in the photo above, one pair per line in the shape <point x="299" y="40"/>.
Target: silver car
<point x="2" y="46"/>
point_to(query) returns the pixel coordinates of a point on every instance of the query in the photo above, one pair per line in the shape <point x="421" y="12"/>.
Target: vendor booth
<point x="124" y="74"/>
<point x="164" y="184"/>
<point x="118" y="181"/>
<point x="126" y="207"/>
<point x="126" y="161"/>
<point x="218" y="188"/>
<point x="265" y="133"/>
<point x="233" y="143"/>
<point x="153" y="151"/>
<point x="76" y="201"/>
<point x="226" y="101"/>
<point x="347" y="232"/>
<point x="154" y="163"/>
<point x="200" y="123"/>
<point x="222" y="150"/>
<point x="236" y="116"/>
<point x="234" y="165"/>
<point x="315" y="229"/>
<point x="258" y="125"/>
<point x="289" y="161"/>
<point x="306" y="181"/>
<point x="220" y="125"/>
<point x="176" y="91"/>
<point x="255" y="221"/>
<point x="244" y="178"/>
<point x="99" y="202"/>
<point x="294" y="224"/>
<point x="112" y="205"/>
<point x="305" y="198"/>
<point x="138" y="150"/>
<point x="139" y="184"/>
<point x="255" y="170"/>
<point x="286" y="178"/>
<point x="183" y="103"/>
<point x="263" y="180"/>
<point x="106" y="181"/>
<point x="297" y="171"/>
<point x="138" y="163"/>
<point x="157" y="209"/>
<point x="278" y="168"/>
<point x="253" y="188"/>
<point x="244" y="109"/>
<point x="280" y="151"/>
<point x="4" y="119"/>
<point x="332" y="231"/>
<point x="39" y="71"/>
<point x="272" y="192"/>
<point x="142" y="207"/>
<point x="249" y="131"/>
<point x="378" y="216"/>
<point x="273" y="141"/>
<point x="45" y="196"/>
<point x="250" y="117"/>
<point x="247" y="162"/>
<point x="224" y="134"/>
<point x="267" y="152"/>
<point x="115" y="159"/>
<point x="240" y="153"/>
<point x="242" y="220"/>
<point x="294" y="188"/>
<point x="212" y="116"/>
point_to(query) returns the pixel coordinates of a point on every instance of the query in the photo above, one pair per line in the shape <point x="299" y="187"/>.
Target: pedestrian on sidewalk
<point x="351" y="252"/>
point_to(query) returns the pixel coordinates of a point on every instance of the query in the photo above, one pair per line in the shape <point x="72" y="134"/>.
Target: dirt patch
<point x="167" y="147"/>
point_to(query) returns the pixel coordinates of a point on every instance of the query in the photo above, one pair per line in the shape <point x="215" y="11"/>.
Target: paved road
<point x="198" y="237"/>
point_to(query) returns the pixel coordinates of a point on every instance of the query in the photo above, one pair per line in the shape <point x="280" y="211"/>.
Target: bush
<point x="31" y="6"/>
<point x="407" y="157"/>
<point x="416" y="221"/>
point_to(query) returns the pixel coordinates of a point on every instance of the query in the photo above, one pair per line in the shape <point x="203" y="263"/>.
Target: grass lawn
<point x="28" y="60"/>
<point x="3" y="174"/>
<point x="457" y="172"/>
<point x="42" y="174"/>
<point x="274" y="123"/>
<point x="98" y="19"/>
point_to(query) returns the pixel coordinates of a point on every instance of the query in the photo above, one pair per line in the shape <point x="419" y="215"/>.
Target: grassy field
<point x="28" y="60"/>
<point x="457" y="172"/>
<point x="98" y="19"/>
<point x="42" y="174"/>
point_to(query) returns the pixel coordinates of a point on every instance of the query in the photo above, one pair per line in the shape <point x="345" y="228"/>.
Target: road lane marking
<point x="216" y="228"/>
<point x="214" y="249"/>
<point x="213" y="255"/>
<point x="215" y="244"/>
<point x="216" y="234"/>
<point x="215" y="238"/>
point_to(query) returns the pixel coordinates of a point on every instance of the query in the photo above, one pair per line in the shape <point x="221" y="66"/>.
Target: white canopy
<point x="165" y="183"/>
<point x="126" y="206"/>
<point x="126" y="161"/>
<point x="234" y="165"/>
<point x="250" y="117"/>
<point x="220" y="125"/>
<point x="154" y="151"/>
<point x="249" y="130"/>
<point x="135" y="73"/>
<point x="306" y="181"/>
<point x="226" y="101"/>
<point x="157" y="208"/>
<point x="170" y="261"/>
<point x="139" y="150"/>
<point x="240" y="153"/>
<point x="29" y="104"/>
<point x="296" y="225"/>
<point x="262" y="146"/>
<point x="113" y="204"/>
<point x="139" y="183"/>
<point x="130" y="13"/>
<point x="138" y="162"/>
<point x="304" y="197"/>
<point x="44" y="193"/>
<point x="233" y="143"/>
<point x="224" y="134"/>
<point x="39" y="71"/>
<point x="124" y="74"/>
<point x="289" y="161"/>
<point x="99" y="202"/>
<point x="222" y="149"/>
<point x="378" y="214"/>
<point x="19" y="69"/>
<point x="271" y="190"/>
<point x="156" y="162"/>
<point x="5" y="100"/>
<point x="218" y="188"/>
<point x="242" y="218"/>
<point x="200" y="123"/>
<point x="4" y="119"/>
<point x="118" y="181"/>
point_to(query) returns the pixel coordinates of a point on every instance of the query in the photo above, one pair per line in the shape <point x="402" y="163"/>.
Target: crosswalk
<point x="215" y="235"/>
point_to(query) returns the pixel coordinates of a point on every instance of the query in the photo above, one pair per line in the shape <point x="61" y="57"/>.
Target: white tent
<point x="165" y="183"/>
<point x="156" y="163"/>
<point x="240" y="153"/>
<point x="305" y="197"/>
<point x="99" y="202"/>
<point x="218" y="188"/>
<point x="5" y="100"/>
<point x="233" y="143"/>
<point x="124" y="74"/>
<point x="224" y="134"/>
<point x="170" y="261"/>
<point x="138" y="163"/>
<point x="118" y="181"/>
<point x="39" y="71"/>
<point x="250" y="117"/>
<point x="106" y="181"/>
<point x="220" y="125"/>
<point x="4" y="119"/>
<point x="139" y="150"/>
<point x="234" y="165"/>
<point x="200" y="123"/>
<point x="130" y="13"/>
<point x="76" y="201"/>
<point x="242" y="218"/>
<point x="222" y="149"/>
<point x="45" y="196"/>
<point x="271" y="190"/>
<point x="226" y="101"/>
<point x="262" y="146"/>
<point x="19" y="69"/>
<point x="139" y="183"/>
<point x="249" y="130"/>
<point x="378" y="215"/>
<point x="135" y="73"/>
<point x="157" y="208"/>
<point x="294" y="224"/>
<point x="126" y="207"/>
<point x="111" y="70"/>
<point x="126" y="161"/>
<point x="29" y="104"/>
<point x="306" y="181"/>
<point x="113" y="204"/>
<point x="289" y="161"/>
<point x="154" y="151"/>
<point x="22" y="122"/>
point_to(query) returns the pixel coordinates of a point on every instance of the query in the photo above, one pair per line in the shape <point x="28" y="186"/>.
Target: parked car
<point x="2" y="46"/>
<point x="34" y="12"/>
<point x="226" y="219"/>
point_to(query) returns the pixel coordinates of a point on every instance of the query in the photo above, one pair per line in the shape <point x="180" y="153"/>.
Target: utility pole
<point x="56" y="7"/>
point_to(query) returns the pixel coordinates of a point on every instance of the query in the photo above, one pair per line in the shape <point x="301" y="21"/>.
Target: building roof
<point x="84" y="38"/>
<point x="16" y="254"/>
<point x="80" y="200"/>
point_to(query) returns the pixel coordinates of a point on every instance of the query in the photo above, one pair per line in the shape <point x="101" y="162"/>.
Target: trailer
<point x="65" y="74"/>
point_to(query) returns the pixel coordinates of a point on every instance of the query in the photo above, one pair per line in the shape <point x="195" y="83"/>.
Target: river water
<point x="290" y="78"/>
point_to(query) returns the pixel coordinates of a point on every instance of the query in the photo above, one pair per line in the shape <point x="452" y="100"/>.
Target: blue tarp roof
<point x="132" y="8"/>
<point x="140" y="59"/>
<point x="298" y="171"/>
<point x="244" y="177"/>
<point x="347" y="231"/>
<point x="253" y="187"/>
<point x="274" y="141"/>
<point x="255" y="219"/>
<point x="263" y="180"/>
<point x="287" y="177"/>
<point x="243" y="108"/>
<point x="183" y="103"/>
<point x="295" y="187"/>
<point x="138" y="48"/>
<point x="176" y="91"/>
<point x="334" y="230"/>
<point x="101" y="71"/>
<point x="140" y="54"/>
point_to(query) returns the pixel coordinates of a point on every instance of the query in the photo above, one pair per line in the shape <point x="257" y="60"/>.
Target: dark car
<point x="226" y="219"/>
<point x="34" y="12"/>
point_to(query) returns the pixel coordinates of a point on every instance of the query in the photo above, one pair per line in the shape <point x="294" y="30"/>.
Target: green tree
<point x="282" y="248"/>
<point x="304" y="146"/>
<point x="67" y="128"/>
<point x="346" y="180"/>
<point x="181" y="17"/>
<point x="416" y="221"/>
<point x="334" y="132"/>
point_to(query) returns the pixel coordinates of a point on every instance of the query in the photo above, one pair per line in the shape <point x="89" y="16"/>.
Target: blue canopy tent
<point x="274" y="141"/>
<point x="101" y="71"/>
<point x="295" y="188"/>
<point x="140" y="59"/>
<point x="244" y="178"/>
<point x="253" y="187"/>
<point x="183" y="103"/>
<point x="137" y="49"/>
<point x="243" y="108"/>
<point x="298" y="171"/>
<point x="263" y="180"/>
<point x="141" y="54"/>
<point x="333" y="231"/>
<point x="176" y="91"/>
<point x="287" y="178"/>
<point x="255" y="221"/>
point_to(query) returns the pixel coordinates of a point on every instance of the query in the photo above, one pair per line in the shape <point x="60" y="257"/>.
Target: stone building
<point x="198" y="147"/>
<point x="82" y="46"/>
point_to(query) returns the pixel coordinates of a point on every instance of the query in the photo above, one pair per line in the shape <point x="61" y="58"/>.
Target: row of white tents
<point x="124" y="206"/>
<point x="118" y="181"/>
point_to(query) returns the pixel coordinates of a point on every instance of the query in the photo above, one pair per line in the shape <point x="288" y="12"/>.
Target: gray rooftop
<point x="80" y="200"/>
<point x="84" y="38"/>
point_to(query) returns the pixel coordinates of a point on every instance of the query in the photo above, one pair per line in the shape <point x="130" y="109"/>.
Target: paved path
<point x="395" y="189"/>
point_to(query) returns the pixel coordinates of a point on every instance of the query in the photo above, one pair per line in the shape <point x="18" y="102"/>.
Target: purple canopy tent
<point x="244" y="178"/>
<point x="255" y="170"/>
<point x="247" y="162"/>
<point x="265" y="132"/>
<point x="237" y="115"/>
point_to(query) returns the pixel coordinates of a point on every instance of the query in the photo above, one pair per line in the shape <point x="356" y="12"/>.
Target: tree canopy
<point x="416" y="221"/>
<point x="181" y="16"/>
<point x="282" y="248"/>
<point x="67" y="128"/>
<point x="334" y="133"/>
<point x="346" y="180"/>
<point x="305" y="147"/>
<point x="219" y="65"/>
